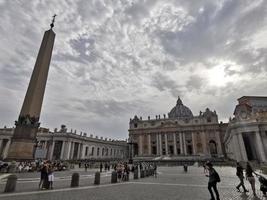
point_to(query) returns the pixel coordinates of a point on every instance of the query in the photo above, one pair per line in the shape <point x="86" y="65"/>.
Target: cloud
<point x="114" y="59"/>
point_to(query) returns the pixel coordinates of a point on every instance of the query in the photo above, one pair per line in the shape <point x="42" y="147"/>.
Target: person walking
<point x="240" y="175"/>
<point x="250" y="178"/>
<point x="43" y="172"/>
<point x="214" y="178"/>
<point x="101" y="167"/>
<point x="155" y="170"/>
<point x="51" y="176"/>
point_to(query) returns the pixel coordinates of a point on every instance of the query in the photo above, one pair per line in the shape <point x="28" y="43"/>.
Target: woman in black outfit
<point x="250" y="178"/>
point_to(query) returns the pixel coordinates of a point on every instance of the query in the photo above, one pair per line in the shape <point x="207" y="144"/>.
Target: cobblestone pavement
<point x="172" y="184"/>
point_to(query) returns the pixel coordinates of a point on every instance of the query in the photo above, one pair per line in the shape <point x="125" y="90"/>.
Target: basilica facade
<point x="179" y="133"/>
<point x="63" y="144"/>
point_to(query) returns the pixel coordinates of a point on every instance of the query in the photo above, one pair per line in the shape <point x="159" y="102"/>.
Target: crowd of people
<point x="214" y="178"/>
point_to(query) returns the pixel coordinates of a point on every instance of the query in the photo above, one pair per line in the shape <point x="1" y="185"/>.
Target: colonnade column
<point x="5" y="151"/>
<point x="218" y="138"/>
<point x="174" y="144"/>
<point x="181" y="143"/>
<point x="149" y="144"/>
<point x="166" y="144"/>
<point x="237" y="149"/>
<point x="260" y="147"/>
<point x="242" y="147"/>
<point x="52" y="151"/>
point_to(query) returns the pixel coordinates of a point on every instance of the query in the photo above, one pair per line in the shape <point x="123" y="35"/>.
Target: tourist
<point x="250" y="178"/>
<point x="214" y="178"/>
<point x="20" y="167"/>
<point x="101" y="167"/>
<point x="85" y="167"/>
<point x="51" y="176"/>
<point x="155" y="170"/>
<point x="240" y="175"/>
<point x="44" y="178"/>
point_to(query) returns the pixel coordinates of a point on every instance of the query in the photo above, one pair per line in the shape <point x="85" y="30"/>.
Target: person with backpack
<point x="240" y="175"/>
<point x="214" y="178"/>
<point x="250" y="178"/>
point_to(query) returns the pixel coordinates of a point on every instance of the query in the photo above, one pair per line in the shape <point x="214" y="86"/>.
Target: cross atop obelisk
<point x="24" y="138"/>
<point x="53" y="21"/>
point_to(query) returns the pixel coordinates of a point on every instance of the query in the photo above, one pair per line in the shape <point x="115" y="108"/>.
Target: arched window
<point x="98" y="151"/>
<point x="103" y="150"/>
<point x="93" y="151"/>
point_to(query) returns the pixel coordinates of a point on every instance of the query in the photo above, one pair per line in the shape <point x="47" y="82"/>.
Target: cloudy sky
<point x="113" y="59"/>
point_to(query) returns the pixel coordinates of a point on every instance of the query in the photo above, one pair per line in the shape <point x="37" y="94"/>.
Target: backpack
<point x="218" y="179"/>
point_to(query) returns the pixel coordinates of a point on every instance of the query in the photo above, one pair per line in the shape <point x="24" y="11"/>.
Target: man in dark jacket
<point x="213" y="180"/>
<point x="240" y="175"/>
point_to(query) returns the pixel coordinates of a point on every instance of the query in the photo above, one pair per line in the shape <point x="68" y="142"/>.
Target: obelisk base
<point x="21" y="150"/>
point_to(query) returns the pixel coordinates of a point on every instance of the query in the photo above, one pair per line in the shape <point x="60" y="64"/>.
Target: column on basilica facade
<point x="140" y="145"/>
<point x="260" y="147"/>
<point x="204" y="143"/>
<point x="157" y="143"/>
<point x="194" y="146"/>
<point x="149" y="144"/>
<point x="166" y="144"/>
<point x="184" y="142"/>
<point x="242" y="147"/>
<point x="62" y="150"/>
<point x="160" y="143"/>
<point x="181" y="143"/>
<point x="174" y="144"/>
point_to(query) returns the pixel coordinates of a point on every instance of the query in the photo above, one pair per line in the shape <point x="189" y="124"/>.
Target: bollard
<point x="75" y="180"/>
<point x="142" y="174"/>
<point x="135" y="173"/>
<point x="97" y="178"/>
<point x="114" y="177"/>
<point x="11" y="183"/>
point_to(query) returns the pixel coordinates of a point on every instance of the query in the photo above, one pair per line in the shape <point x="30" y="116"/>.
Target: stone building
<point x="68" y="145"/>
<point x="246" y="135"/>
<point x="178" y="134"/>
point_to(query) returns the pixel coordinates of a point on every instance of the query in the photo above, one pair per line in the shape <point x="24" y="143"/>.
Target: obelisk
<point x="24" y="139"/>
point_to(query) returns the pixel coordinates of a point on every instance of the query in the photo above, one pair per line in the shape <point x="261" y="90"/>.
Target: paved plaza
<point x="171" y="184"/>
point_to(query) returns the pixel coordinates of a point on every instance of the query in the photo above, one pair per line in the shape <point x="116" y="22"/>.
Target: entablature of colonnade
<point x="79" y="139"/>
<point x="251" y="127"/>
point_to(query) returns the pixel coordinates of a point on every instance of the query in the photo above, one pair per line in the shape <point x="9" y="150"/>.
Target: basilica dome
<point x="180" y="111"/>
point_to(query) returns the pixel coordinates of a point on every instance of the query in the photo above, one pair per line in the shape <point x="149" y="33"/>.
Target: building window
<point x="208" y="119"/>
<point x="135" y="125"/>
<point x="86" y="151"/>
<point x="98" y="151"/>
<point x="93" y="151"/>
<point x="103" y="150"/>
